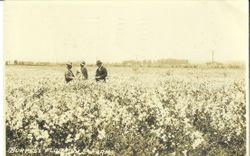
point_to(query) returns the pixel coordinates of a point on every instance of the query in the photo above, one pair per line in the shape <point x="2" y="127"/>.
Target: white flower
<point x="101" y="134"/>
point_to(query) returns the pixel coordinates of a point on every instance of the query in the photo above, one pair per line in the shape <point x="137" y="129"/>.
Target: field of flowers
<point x="137" y="112"/>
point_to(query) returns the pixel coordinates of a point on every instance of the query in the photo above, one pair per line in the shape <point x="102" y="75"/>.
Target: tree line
<point x="172" y="63"/>
<point x="127" y="63"/>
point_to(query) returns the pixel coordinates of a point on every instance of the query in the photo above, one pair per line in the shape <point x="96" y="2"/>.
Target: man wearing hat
<point x="101" y="72"/>
<point x="69" y="76"/>
<point x="83" y="70"/>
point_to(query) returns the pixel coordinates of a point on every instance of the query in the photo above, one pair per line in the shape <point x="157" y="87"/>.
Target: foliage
<point x="132" y="114"/>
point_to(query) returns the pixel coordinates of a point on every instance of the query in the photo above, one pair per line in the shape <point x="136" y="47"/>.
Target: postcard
<point x="126" y="77"/>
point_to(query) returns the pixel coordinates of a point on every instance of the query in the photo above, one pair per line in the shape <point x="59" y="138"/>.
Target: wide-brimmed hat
<point x="69" y="64"/>
<point x="98" y="62"/>
<point x="82" y="63"/>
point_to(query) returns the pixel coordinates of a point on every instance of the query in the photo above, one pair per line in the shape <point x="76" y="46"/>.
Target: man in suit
<point x="82" y="71"/>
<point x="69" y="76"/>
<point x="101" y="72"/>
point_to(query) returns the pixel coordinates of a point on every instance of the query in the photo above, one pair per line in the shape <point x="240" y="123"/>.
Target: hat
<point x="98" y="62"/>
<point x="69" y="64"/>
<point x="82" y="63"/>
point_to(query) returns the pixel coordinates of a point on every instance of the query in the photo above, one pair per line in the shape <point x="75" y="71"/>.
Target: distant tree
<point x="15" y="62"/>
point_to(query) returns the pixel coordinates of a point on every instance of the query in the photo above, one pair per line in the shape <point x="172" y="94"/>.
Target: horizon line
<point x="136" y="60"/>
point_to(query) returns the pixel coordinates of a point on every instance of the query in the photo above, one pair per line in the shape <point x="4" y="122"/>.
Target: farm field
<point x="144" y="111"/>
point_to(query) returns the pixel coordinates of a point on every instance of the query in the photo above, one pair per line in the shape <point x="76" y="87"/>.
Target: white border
<point x="2" y="113"/>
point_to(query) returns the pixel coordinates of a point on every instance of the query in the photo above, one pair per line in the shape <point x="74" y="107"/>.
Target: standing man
<point x="83" y="70"/>
<point x="69" y="76"/>
<point x="101" y="72"/>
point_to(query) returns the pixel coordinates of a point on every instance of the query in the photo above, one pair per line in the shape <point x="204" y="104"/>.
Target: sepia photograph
<point x="126" y="77"/>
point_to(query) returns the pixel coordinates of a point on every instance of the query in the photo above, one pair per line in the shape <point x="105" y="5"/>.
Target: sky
<point x="113" y="31"/>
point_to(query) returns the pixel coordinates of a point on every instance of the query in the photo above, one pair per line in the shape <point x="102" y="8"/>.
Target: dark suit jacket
<point x="69" y="76"/>
<point x="101" y="74"/>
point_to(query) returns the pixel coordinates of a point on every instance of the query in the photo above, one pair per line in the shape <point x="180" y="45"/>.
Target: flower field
<point x="137" y="112"/>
